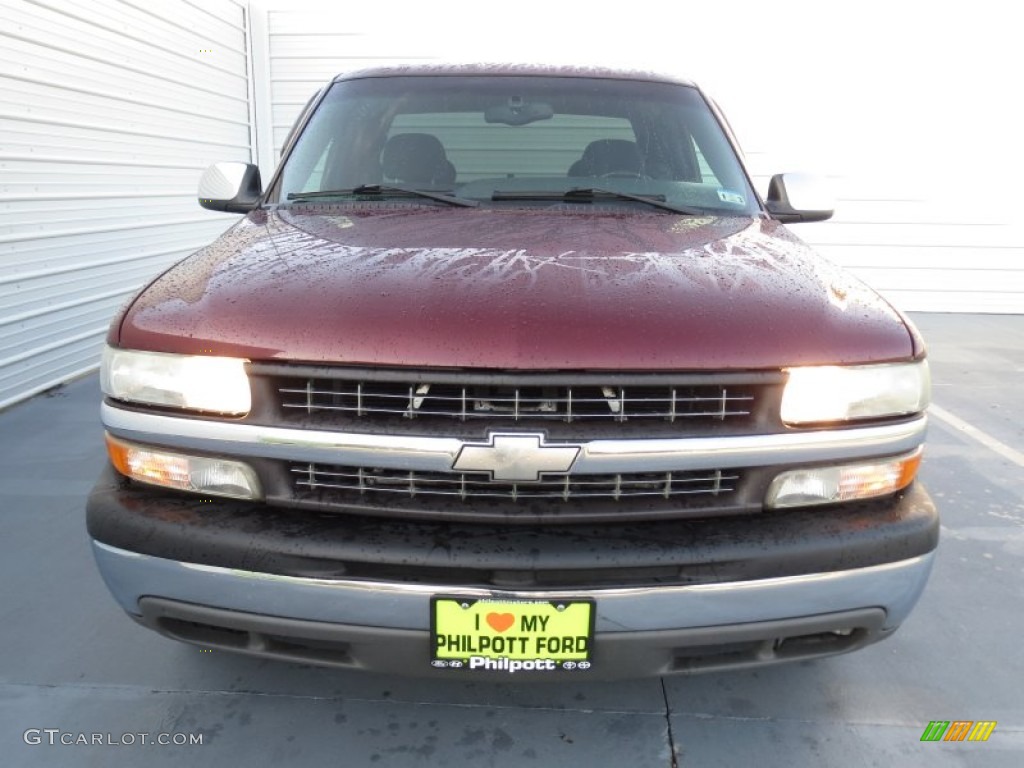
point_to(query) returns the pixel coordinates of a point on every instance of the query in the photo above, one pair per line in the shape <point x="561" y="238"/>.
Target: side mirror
<point x="230" y="187"/>
<point x="795" y="197"/>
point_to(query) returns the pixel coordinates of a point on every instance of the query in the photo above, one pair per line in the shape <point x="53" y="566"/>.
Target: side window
<point x="316" y="174"/>
<point x="298" y="119"/>
<point x="707" y="176"/>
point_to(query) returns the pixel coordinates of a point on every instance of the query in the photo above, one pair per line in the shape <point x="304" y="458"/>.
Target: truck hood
<point x="572" y="288"/>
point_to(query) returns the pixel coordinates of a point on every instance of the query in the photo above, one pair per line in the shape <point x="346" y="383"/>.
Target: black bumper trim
<point x="616" y="655"/>
<point x="257" y="537"/>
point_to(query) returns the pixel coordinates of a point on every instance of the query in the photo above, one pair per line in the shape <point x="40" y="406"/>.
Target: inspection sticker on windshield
<point x="511" y="635"/>
<point x="728" y="196"/>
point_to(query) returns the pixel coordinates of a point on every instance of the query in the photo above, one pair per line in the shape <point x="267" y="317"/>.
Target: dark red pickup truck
<point x="510" y="371"/>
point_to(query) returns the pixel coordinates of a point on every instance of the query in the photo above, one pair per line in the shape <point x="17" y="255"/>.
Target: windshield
<point x="519" y="140"/>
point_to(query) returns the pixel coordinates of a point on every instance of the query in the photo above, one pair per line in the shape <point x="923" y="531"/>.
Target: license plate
<point x="511" y="635"/>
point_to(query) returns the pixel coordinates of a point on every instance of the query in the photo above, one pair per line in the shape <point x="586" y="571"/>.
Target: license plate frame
<point x="511" y="634"/>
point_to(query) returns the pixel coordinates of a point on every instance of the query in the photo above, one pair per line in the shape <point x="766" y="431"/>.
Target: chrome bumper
<point x="893" y="587"/>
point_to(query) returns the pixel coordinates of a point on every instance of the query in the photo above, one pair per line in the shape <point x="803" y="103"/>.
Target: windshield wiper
<point x="384" y="190"/>
<point x="589" y="194"/>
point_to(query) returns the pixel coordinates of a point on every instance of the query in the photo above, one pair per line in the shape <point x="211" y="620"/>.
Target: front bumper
<point x="747" y="591"/>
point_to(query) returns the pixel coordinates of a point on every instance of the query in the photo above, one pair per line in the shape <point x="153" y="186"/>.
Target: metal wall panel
<point x="109" y="112"/>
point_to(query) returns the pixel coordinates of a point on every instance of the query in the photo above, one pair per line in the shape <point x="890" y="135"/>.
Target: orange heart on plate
<point x="500" y="621"/>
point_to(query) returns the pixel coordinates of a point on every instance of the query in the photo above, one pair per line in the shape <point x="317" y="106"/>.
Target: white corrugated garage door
<point x="109" y="112"/>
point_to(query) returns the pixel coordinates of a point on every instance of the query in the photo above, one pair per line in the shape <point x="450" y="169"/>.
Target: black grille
<point x="501" y="404"/>
<point x="473" y="486"/>
<point x="570" y="407"/>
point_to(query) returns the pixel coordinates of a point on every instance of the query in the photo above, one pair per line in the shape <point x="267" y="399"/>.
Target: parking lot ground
<point x="71" y="661"/>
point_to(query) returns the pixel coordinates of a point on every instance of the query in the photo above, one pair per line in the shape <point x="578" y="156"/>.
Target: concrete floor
<point x="70" y="660"/>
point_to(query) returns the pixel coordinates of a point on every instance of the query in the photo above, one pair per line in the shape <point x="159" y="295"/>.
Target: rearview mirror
<point x="797" y="197"/>
<point x="230" y="187"/>
<point x="518" y="111"/>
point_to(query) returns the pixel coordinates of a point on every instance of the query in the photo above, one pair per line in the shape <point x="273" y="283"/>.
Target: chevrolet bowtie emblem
<point x="518" y="457"/>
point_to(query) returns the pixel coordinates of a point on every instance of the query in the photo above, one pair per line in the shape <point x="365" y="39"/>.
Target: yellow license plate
<point x="512" y="635"/>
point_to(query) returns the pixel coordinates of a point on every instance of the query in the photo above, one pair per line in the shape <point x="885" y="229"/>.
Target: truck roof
<point x="508" y="70"/>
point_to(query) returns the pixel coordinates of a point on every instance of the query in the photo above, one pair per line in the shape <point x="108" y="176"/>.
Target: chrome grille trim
<point x="436" y="454"/>
<point x="467" y="486"/>
<point x="566" y="403"/>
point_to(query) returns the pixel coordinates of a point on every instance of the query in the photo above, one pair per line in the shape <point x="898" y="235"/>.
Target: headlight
<point x="845" y="393"/>
<point x="185" y="381"/>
